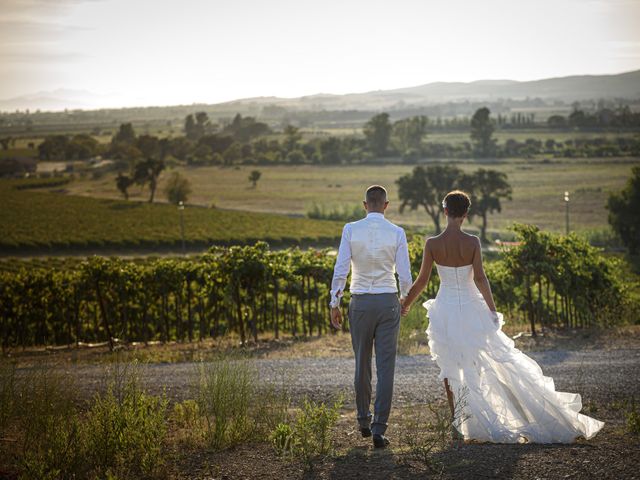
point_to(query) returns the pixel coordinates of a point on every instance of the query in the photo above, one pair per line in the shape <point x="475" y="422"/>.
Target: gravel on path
<point x="598" y="375"/>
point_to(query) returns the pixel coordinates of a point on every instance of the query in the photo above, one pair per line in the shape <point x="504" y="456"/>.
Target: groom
<point x="375" y="249"/>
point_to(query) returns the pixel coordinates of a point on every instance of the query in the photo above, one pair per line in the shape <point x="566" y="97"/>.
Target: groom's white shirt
<point x="375" y="249"/>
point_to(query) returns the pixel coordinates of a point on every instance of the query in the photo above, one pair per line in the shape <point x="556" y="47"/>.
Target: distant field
<point x="538" y="189"/>
<point x="37" y="220"/>
<point x="521" y="135"/>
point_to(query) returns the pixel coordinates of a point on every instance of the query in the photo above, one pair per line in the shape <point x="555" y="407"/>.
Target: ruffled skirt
<point x="501" y="395"/>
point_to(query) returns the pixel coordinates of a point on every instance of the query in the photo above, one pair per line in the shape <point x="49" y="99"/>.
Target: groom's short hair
<point x="376" y="196"/>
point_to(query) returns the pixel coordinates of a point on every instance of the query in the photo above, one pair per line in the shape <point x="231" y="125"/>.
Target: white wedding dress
<point x="504" y="396"/>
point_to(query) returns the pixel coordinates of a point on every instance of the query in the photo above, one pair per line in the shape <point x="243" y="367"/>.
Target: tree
<point x="196" y="127"/>
<point x="54" y="147"/>
<point x="556" y="121"/>
<point x="624" y="212"/>
<point x="126" y="135"/>
<point x="232" y="154"/>
<point x="330" y="150"/>
<point x="5" y="142"/>
<point x="190" y="127"/>
<point x="148" y="145"/>
<point x="177" y="189"/>
<point x="244" y="129"/>
<point x="123" y="182"/>
<point x="201" y="154"/>
<point x="292" y="137"/>
<point x="408" y="133"/>
<point x="486" y="188"/>
<point x="482" y="131"/>
<point x="180" y="147"/>
<point x="426" y="187"/>
<point x="378" y="132"/>
<point x="148" y="171"/>
<point x="254" y="176"/>
<point x="82" y="146"/>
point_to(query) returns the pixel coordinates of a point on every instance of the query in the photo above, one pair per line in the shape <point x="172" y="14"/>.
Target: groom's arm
<point x="341" y="269"/>
<point x="403" y="265"/>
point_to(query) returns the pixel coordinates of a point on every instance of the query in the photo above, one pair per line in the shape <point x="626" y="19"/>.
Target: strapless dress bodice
<point x="457" y="285"/>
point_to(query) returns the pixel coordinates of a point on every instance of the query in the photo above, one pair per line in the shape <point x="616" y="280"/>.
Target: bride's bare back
<point x="453" y="248"/>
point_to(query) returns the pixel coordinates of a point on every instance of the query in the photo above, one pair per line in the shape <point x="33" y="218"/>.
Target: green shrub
<point x="282" y="438"/>
<point x="431" y="429"/>
<point x="412" y="330"/>
<point x="231" y="406"/>
<point x="312" y="430"/>
<point x="7" y="394"/>
<point x="50" y="435"/>
<point x="344" y="213"/>
<point x="125" y="428"/>
<point x="188" y="422"/>
<point x="225" y="393"/>
<point x="633" y="419"/>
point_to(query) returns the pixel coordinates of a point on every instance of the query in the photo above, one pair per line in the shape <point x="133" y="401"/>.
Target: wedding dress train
<point x="501" y="393"/>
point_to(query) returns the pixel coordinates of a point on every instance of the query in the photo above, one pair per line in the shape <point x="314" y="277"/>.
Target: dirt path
<point x="599" y="375"/>
<point x="606" y="379"/>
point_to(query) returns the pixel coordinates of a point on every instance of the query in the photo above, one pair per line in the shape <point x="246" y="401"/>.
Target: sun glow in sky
<point x="157" y="52"/>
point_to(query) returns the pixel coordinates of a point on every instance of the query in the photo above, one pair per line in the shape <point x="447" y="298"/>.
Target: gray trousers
<point x="374" y="319"/>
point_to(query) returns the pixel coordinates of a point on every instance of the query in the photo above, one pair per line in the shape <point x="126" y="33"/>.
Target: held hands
<point x="405" y="307"/>
<point x="336" y="318"/>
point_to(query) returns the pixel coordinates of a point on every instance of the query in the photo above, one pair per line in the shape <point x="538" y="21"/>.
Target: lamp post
<point x="566" y="210"/>
<point x="181" y="210"/>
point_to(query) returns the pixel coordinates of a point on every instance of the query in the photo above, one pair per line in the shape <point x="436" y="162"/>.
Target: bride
<point x="495" y="392"/>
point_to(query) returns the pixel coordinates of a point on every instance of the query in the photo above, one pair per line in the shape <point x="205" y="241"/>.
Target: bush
<point x="7" y="394"/>
<point x="282" y="438"/>
<point x="412" y="330"/>
<point x="430" y="431"/>
<point x="310" y="436"/>
<point x="232" y="406"/>
<point x="48" y="426"/>
<point x="344" y="213"/>
<point x="624" y="212"/>
<point x="125" y="428"/>
<point x="633" y="419"/>
<point x="120" y="436"/>
<point x="177" y="189"/>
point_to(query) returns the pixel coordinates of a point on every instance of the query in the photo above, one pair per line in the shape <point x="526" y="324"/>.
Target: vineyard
<point x="33" y="220"/>
<point x="248" y="291"/>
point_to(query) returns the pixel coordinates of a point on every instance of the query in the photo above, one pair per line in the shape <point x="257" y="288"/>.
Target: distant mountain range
<point x="568" y="89"/>
<point x="59" y="99"/>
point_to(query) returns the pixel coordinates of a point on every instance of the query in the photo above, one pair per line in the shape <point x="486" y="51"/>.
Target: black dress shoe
<point x="380" y="441"/>
<point x="365" y="431"/>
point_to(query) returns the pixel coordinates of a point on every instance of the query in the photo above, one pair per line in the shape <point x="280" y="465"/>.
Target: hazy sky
<point x="167" y="52"/>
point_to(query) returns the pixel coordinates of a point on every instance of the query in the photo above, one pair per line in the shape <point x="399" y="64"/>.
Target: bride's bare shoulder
<point x="471" y="238"/>
<point x="433" y="241"/>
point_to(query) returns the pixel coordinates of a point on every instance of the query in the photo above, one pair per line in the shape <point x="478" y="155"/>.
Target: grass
<point x="327" y="346"/>
<point x="45" y="220"/>
<point x="538" y="189"/>
<point x="633" y="418"/>
<point x="48" y="432"/>
<point x="311" y="433"/>
<point x="522" y="135"/>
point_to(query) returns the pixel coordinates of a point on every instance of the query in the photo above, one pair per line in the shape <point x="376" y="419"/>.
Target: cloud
<point x="38" y="58"/>
<point x="21" y="26"/>
<point x="43" y="7"/>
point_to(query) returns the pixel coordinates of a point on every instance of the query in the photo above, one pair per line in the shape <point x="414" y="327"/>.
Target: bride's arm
<point x="421" y="281"/>
<point x="480" y="278"/>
